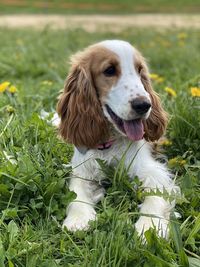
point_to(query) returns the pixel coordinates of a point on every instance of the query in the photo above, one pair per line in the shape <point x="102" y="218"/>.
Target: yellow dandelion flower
<point x="154" y="76"/>
<point x="47" y="82"/>
<point x="182" y="35"/>
<point x="170" y="91"/>
<point x="157" y="78"/>
<point x="12" y="89"/>
<point x="173" y="161"/>
<point x="176" y="162"/>
<point x="195" y="91"/>
<point x="166" y="142"/>
<point x="160" y="79"/>
<point x="182" y="162"/>
<point x="4" y="86"/>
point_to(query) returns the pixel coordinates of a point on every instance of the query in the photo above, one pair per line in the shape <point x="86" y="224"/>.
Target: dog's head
<point x="109" y="83"/>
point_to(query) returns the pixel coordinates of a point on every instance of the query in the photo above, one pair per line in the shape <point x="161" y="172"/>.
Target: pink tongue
<point x="134" y="129"/>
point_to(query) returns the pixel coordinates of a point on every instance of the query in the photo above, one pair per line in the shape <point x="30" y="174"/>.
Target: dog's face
<point x="124" y="99"/>
<point x="109" y="83"/>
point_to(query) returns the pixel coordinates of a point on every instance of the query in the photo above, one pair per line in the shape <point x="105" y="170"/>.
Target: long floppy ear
<point x="82" y="119"/>
<point x="156" y="123"/>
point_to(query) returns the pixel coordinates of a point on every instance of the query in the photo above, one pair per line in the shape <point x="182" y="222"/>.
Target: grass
<point x="103" y="6"/>
<point x="33" y="195"/>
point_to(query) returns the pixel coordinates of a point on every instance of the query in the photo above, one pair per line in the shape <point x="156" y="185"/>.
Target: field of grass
<point x="33" y="195"/>
<point x="103" y="6"/>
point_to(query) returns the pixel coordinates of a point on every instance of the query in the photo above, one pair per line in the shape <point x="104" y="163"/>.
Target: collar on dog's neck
<point x="102" y="146"/>
<point x="105" y="145"/>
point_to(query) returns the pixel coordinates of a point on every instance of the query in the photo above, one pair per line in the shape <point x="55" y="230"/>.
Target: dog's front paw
<point x="79" y="216"/>
<point x="145" y="223"/>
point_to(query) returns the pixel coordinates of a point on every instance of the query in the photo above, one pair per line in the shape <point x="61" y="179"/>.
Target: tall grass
<point x="33" y="195"/>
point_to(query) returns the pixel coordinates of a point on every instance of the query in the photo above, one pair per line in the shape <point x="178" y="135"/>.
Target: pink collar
<point x="105" y="145"/>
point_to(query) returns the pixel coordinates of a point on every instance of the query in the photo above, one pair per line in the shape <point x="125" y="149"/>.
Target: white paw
<point x="145" y="223"/>
<point x="79" y="215"/>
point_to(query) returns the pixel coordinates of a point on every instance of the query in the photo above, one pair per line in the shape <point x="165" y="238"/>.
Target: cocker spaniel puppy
<point x="108" y="108"/>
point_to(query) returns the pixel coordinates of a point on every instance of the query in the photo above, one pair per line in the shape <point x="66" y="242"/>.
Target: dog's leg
<point x="154" y="176"/>
<point x="156" y="212"/>
<point x="88" y="193"/>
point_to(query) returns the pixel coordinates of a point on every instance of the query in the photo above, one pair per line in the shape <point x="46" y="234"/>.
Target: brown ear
<point x="156" y="124"/>
<point x="82" y="119"/>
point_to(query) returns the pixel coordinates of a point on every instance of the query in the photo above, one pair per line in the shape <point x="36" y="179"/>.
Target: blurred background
<point x="103" y="6"/>
<point x="93" y="15"/>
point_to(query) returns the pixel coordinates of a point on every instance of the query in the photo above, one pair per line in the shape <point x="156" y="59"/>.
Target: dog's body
<point x="109" y="109"/>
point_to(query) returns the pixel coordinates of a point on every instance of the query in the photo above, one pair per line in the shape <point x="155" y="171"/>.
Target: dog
<point x="107" y="108"/>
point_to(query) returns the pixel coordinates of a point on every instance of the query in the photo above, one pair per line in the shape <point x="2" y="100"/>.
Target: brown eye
<point x="110" y="71"/>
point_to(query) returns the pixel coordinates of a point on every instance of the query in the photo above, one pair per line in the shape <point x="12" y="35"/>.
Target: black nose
<point x="140" y="106"/>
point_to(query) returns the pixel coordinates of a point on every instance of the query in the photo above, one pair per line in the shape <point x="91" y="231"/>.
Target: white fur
<point x="129" y="82"/>
<point x="153" y="174"/>
<point x="87" y="175"/>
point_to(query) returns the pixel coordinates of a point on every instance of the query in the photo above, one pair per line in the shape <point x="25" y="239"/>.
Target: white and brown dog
<point x="108" y="102"/>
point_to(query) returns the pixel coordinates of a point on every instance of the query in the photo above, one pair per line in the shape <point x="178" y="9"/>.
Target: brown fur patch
<point x="156" y="124"/>
<point x="96" y="59"/>
<point x="82" y="120"/>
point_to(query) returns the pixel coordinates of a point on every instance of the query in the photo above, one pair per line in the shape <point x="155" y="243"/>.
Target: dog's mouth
<point x="133" y="129"/>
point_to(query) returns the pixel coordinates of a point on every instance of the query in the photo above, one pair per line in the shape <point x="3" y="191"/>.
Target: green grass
<point x="33" y="197"/>
<point x="103" y="6"/>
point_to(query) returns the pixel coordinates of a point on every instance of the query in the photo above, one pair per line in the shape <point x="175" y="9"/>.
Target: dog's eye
<point x="110" y="71"/>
